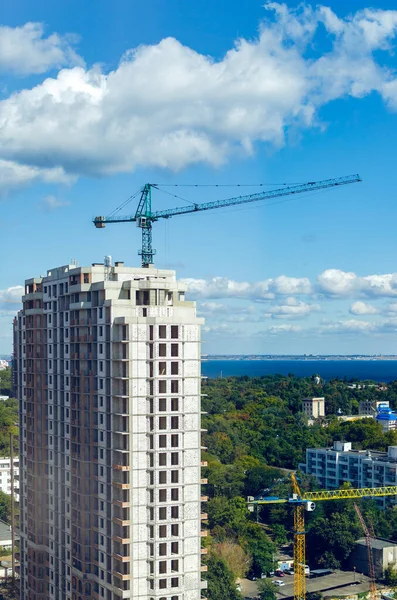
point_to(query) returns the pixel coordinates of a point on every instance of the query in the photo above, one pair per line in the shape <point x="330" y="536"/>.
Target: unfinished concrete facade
<point x="107" y="365"/>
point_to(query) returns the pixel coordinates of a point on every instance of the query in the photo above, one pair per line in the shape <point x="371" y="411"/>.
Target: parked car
<point x="278" y="583"/>
<point x="280" y="573"/>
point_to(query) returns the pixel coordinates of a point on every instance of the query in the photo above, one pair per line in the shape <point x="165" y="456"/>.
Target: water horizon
<point x="375" y="370"/>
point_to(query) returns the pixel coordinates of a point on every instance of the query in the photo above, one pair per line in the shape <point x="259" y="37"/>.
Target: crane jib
<point x="144" y="217"/>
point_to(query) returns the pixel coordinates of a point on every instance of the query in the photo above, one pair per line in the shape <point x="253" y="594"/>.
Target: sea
<point x="376" y="370"/>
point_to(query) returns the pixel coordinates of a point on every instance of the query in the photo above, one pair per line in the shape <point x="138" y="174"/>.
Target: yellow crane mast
<point x="306" y="502"/>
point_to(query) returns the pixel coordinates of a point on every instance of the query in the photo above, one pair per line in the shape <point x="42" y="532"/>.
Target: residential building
<point x="5" y="476"/>
<point x="314" y="408"/>
<point x="6" y="537"/>
<point x="370" y="407"/>
<point x="107" y="364"/>
<point x="4" y="364"/>
<point x="362" y="468"/>
<point x="386" y="417"/>
<point x="384" y="554"/>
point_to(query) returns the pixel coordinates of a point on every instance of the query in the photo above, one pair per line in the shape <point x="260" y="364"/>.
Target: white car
<point x="278" y="582"/>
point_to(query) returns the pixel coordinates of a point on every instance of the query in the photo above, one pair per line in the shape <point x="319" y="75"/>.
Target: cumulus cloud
<point x="14" y="176"/>
<point x="362" y="308"/>
<point x="222" y="330"/>
<point x="25" y="50"/>
<point x="341" y="283"/>
<point x="292" y="309"/>
<point x="10" y="298"/>
<point x="166" y="105"/>
<point x="276" y="329"/>
<point x="50" y="203"/>
<point x="222" y="287"/>
<point x="349" y="326"/>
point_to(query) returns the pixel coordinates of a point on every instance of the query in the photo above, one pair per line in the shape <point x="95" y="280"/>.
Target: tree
<point x="279" y="534"/>
<point x="331" y="539"/>
<point x="391" y="576"/>
<point x="314" y="596"/>
<point x="266" y="589"/>
<point x="221" y="581"/>
<point x="260" y="546"/>
<point x="238" y="561"/>
<point x="5" y="506"/>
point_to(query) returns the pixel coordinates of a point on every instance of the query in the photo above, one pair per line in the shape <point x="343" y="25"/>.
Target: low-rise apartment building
<point x="5" y="476"/>
<point x="361" y="468"/>
<point x="314" y="408"/>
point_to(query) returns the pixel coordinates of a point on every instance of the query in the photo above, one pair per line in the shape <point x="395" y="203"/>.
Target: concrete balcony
<point x="204" y="551"/>
<point x="121" y="504"/>
<point x="203" y="463"/>
<point x="121" y="486"/>
<point x="203" y="481"/>
<point x="118" y="521"/>
<point x="203" y="516"/>
<point x="121" y="558"/>
<point x="121" y="576"/>
<point x="203" y="498"/>
<point x="120" y="540"/>
<point x="204" y="533"/>
<point x="203" y="568"/>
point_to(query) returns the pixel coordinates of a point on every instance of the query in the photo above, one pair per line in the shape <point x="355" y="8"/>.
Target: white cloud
<point x="166" y="105"/>
<point x="50" y="203"/>
<point x="25" y="50"/>
<point x="14" y="176"/>
<point x="362" y="308"/>
<point x="10" y="298"/>
<point x="340" y="283"/>
<point x="222" y="287"/>
<point x="349" y="326"/>
<point x="221" y="329"/>
<point x="276" y="329"/>
<point x="291" y="309"/>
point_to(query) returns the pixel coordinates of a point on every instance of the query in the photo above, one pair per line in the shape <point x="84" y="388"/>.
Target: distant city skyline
<point x="96" y="103"/>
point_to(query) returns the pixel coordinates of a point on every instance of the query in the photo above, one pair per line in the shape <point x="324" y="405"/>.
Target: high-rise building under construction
<point x="107" y="373"/>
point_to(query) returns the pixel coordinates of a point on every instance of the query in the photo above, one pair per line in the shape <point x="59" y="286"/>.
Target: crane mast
<point x="302" y="502"/>
<point x="371" y="565"/>
<point x="144" y="217"/>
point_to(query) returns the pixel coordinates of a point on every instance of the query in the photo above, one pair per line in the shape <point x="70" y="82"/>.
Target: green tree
<point x="391" y="576"/>
<point x="331" y="539"/>
<point x="5" y="506"/>
<point x="266" y="589"/>
<point x="279" y="534"/>
<point x="221" y="580"/>
<point x="261" y="548"/>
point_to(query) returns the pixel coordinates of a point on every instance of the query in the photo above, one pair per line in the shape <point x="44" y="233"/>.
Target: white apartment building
<point x="314" y="408"/>
<point x="107" y="364"/>
<point x="362" y="468"/>
<point x="5" y="476"/>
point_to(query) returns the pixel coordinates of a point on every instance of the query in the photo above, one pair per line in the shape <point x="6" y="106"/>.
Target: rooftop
<point x="377" y="543"/>
<point x="5" y="532"/>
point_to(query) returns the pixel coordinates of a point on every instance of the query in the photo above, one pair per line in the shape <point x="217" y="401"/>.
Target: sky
<point x="95" y="103"/>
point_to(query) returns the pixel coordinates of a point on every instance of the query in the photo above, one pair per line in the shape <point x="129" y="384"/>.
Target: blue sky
<point x="93" y="104"/>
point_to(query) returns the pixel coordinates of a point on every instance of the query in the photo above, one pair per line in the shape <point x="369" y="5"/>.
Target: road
<point x="345" y="582"/>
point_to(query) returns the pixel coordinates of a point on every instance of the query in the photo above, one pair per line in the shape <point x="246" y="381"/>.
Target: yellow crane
<point x="306" y="502"/>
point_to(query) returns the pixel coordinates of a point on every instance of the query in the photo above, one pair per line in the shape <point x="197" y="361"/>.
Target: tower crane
<point x="302" y="502"/>
<point x="371" y="565"/>
<point x="144" y="217"/>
